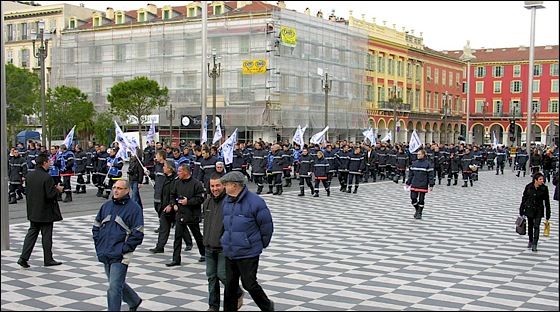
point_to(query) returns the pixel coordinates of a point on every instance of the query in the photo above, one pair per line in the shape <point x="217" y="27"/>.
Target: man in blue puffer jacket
<point x="117" y="230"/>
<point x="248" y="230"/>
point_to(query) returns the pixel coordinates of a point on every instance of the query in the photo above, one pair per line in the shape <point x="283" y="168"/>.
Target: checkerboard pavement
<point x="355" y="252"/>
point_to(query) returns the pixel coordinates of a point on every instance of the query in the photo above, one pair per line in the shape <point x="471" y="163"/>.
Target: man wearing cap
<point x="248" y="230"/>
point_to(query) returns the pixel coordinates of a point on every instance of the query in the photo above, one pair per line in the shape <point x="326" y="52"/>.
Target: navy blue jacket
<point x="248" y="225"/>
<point x="117" y="230"/>
<point x="421" y="175"/>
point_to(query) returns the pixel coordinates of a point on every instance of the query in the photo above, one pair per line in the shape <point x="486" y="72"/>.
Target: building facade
<point x="499" y="95"/>
<point x="342" y="72"/>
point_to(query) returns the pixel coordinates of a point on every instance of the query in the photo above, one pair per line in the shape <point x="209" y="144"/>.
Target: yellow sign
<point x="251" y="67"/>
<point x="288" y="36"/>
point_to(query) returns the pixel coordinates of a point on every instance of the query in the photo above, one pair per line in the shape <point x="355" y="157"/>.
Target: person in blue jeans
<point x="117" y="230"/>
<point x="213" y="229"/>
<point x="135" y="178"/>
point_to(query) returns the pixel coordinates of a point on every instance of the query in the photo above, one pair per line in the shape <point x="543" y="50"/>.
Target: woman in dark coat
<point x="535" y="199"/>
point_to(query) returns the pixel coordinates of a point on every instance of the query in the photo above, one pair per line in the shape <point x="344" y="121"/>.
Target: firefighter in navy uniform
<point x="521" y="158"/>
<point x="305" y="167"/>
<point x="90" y="157"/>
<point x="329" y="155"/>
<point x="420" y="180"/>
<point x="453" y="165"/>
<point x="500" y="159"/>
<point x="100" y="169"/>
<point x="321" y="171"/>
<point x="66" y="164"/>
<point x="114" y="166"/>
<point x="17" y="171"/>
<point x="467" y="166"/>
<point x="279" y="162"/>
<point x="342" y="161"/>
<point x="288" y="160"/>
<point x="356" y="165"/>
<point x="259" y="161"/>
<point x="477" y="157"/>
<point x="81" y="162"/>
<point x="403" y="161"/>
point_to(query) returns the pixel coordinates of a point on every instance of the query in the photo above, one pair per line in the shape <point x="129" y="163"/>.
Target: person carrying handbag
<point x="533" y="203"/>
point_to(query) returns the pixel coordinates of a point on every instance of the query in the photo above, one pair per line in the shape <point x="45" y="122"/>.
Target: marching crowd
<point x="191" y="182"/>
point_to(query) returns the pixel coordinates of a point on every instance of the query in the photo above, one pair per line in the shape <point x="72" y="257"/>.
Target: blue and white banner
<point x="495" y="141"/>
<point x="414" y="143"/>
<point x="69" y="138"/>
<point x="368" y="133"/>
<point x="298" y="136"/>
<point x="151" y="132"/>
<point x="217" y="134"/>
<point x="319" y="138"/>
<point x="227" y="147"/>
<point x="387" y="137"/>
<point x="124" y="144"/>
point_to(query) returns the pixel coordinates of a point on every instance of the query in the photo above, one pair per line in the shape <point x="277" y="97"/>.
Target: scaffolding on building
<point x="268" y="106"/>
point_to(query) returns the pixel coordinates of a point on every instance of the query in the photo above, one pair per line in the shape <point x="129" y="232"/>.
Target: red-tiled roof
<point x="518" y="54"/>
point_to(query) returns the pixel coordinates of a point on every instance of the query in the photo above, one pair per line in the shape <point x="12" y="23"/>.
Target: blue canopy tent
<point x="25" y="135"/>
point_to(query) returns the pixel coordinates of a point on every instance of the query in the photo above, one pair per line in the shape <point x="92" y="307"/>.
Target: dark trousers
<point x="417" y="198"/>
<point x="533" y="229"/>
<point x="343" y="178"/>
<point x="246" y="269"/>
<point x="66" y="184"/>
<point x="181" y="230"/>
<point x="46" y="229"/>
<point x="165" y="223"/>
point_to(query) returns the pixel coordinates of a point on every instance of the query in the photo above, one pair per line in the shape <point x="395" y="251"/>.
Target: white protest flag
<point x="227" y="147"/>
<point x="318" y="138"/>
<point x="124" y="143"/>
<point x="204" y="137"/>
<point x="495" y="140"/>
<point x="414" y="143"/>
<point x="151" y="132"/>
<point x="368" y="133"/>
<point x="217" y="133"/>
<point x="69" y="138"/>
<point x="387" y="137"/>
<point x="298" y="136"/>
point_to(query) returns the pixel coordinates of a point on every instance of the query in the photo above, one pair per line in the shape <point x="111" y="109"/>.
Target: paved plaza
<point x="346" y="252"/>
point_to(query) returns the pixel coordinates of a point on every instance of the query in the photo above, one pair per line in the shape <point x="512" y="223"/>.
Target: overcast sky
<point x="446" y="25"/>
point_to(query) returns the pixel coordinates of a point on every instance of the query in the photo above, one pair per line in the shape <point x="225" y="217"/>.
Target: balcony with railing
<point x="387" y="105"/>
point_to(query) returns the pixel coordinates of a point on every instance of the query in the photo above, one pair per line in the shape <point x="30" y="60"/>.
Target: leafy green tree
<point x="22" y="96"/>
<point x="67" y="106"/>
<point x="137" y="97"/>
<point x="104" y="128"/>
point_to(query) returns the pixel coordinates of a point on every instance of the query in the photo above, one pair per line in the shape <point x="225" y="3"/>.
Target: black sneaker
<point x="134" y="308"/>
<point x="156" y="250"/>
<point x="202" y="259"/>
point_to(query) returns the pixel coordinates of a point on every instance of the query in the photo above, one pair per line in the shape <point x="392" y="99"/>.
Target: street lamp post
<point x="170" y="116"/>
<point x="396" y="105"/>
<point x="484" y="108"/>
<point x="327" y="87"/>
<point x="533" y="6"/>
<point x="41" y="55"/>
<point x="467" y="56"/>
<point x="214" y="73"/>
<point x="445" y="107"/>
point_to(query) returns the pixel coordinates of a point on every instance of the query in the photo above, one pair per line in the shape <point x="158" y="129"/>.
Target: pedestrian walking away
<point x="117" y="230"/>
<point x="248" y="229"/>
<point x="42" y="211"/>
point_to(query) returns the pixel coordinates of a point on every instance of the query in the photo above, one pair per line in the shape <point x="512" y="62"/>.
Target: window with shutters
<point x="516" y="86"/>
<point x="553" y="106"/>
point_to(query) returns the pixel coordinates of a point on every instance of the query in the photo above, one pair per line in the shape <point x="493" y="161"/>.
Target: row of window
<point x="498" y="71"/>
<point x="516" y="86"/>
<point x="23" y="31"/>
<point x="496" y="107"/>
<point x="144" y="15"/>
